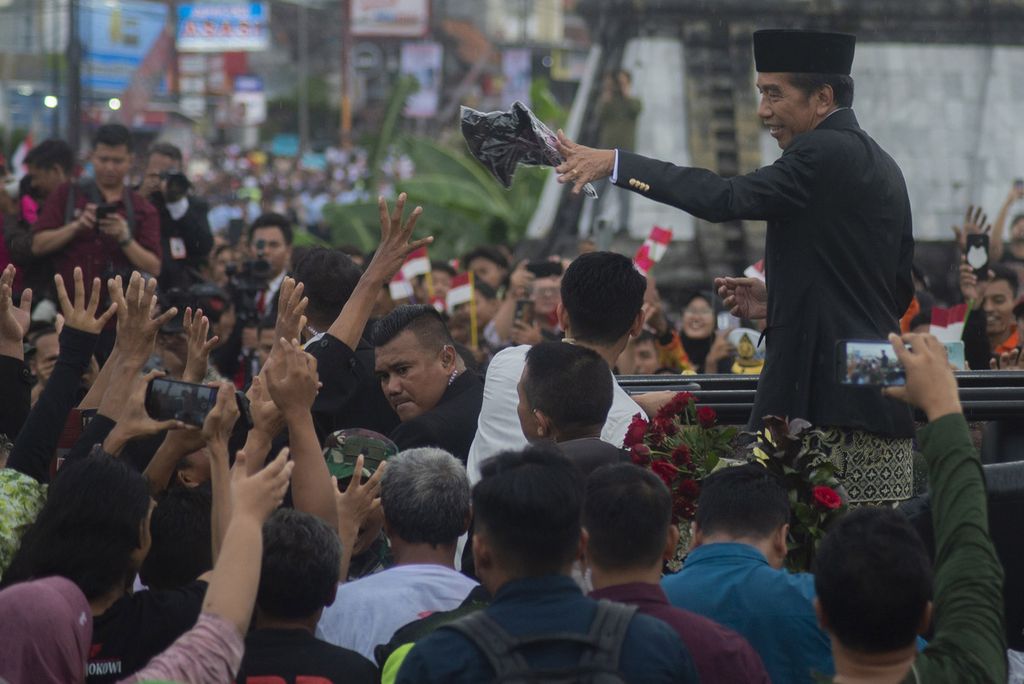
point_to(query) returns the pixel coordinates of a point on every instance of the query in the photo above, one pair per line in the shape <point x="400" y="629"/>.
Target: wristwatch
<point x="124" y="242"/>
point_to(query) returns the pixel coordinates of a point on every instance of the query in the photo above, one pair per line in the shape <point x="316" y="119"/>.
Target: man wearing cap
<point x="838" y="251"/>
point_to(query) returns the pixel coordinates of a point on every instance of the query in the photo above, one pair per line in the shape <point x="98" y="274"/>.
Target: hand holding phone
<point x="105" y="211"/>
<point x="977" y="254"/>
<point x="525" y="312"/>
<point x="187" y="402"/>
<point x="869" y="363"/>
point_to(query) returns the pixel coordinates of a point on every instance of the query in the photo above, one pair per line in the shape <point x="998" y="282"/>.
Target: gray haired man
<point x="426" y="501"/>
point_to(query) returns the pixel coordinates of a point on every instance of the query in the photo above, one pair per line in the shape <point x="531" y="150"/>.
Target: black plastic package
<point x="503" y="140"/>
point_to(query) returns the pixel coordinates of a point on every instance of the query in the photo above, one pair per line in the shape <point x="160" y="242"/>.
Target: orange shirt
<point x="1011" y="343"/>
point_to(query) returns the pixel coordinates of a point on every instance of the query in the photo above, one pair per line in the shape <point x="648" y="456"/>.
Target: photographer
<point x="184" y="230"/>
<point x="99" y="224"/>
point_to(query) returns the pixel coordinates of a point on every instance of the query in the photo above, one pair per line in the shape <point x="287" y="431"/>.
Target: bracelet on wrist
<point x="125" y="241"/>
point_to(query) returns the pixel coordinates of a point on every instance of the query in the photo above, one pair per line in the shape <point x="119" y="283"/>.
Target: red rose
<point x="826" y="497"/>
<point x="681" y="456"/>
<point x="640" y="455"/>
<point x="676" y="405"/>
<point x="683" y="509"/>
<point x="706" y="416"/>
<point x="635" y="432"/>
<point x="665" y="470"/>
<point x="665" y="426"/>
<point x="689" y="488"/>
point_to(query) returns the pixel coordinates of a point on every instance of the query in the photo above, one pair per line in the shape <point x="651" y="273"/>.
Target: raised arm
<point x="292" y="382"/>
<point x="37" y="441"/>
<point x="969" y="643"/>
<point x="394" y="247"/>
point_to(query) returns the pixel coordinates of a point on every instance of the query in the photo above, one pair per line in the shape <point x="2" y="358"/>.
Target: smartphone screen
<point x="176" y="400"/>
<point x="524" y="311"/>
<point x="1018" y="184"/>
<point x="869" y="363"/>
<point x="977" y="254"/>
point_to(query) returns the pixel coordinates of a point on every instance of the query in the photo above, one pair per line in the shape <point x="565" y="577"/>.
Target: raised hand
<point x="266" y="416"/>
<point x="221" y="420"/>
<point x="1012" y="360"/>
<point x="132" y="419"/>
<point x="257" y="496"/>
<point x="196" y="328"/>
<point x="395" y="236"/>
<point x="136" y="327"/>
<point x="14" y="320"/>
<point x="975" y="223"/>
<point x="79" y="315"/>
<point x="971" y="288"/>
<point x="357" y="502"/>
<point x="931" y="385"/>
<point x="582" y="164"/>
<point x="291" y="306"/>
<point x="292" y="378"/>
<point x="744" y="297"/>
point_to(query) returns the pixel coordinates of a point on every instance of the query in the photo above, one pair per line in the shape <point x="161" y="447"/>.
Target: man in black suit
<point x="838" y="252"/>
<point x="426" y="381"/>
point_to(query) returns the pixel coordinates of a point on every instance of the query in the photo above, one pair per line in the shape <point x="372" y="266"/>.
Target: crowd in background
<point x="395" y="424"/>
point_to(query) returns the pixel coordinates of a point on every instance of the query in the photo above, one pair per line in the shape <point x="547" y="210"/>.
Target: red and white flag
<point x="416" y="264"/>
<point x="399" y="287"/>
<point x="461" y="291"/>
<point x="755" y="270"/>
<point x="948" y="324"/>
<point x="653" y="249"/>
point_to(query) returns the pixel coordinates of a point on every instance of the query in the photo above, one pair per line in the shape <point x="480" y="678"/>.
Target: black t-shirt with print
<point x="287" y="655"/>
<point x="138" y="627"/>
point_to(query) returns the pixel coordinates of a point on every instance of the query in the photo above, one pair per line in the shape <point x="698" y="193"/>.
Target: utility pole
<point x="303" y="79"/>
<point x="74" y="77"/>
<point x="346" y="81"/>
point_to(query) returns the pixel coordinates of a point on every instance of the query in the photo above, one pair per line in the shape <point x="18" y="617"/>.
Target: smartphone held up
<point x="187" y="402"/>
<point x="873" y="363"/>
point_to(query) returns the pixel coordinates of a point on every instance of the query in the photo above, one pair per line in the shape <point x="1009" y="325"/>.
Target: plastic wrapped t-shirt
<point x="503" y="140"/>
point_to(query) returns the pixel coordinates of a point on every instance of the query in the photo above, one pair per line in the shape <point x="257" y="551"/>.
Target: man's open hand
<point x="582" y="164"/>
<point x="79" y="315"/>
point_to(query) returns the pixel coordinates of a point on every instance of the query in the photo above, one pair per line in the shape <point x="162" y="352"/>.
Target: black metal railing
<point x="985" y="395"/>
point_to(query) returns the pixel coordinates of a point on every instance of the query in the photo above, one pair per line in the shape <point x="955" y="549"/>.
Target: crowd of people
<point x="230" y="458"/>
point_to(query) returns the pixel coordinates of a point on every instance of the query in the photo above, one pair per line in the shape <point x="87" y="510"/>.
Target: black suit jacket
<point x="193" y="229"/>
<point x="451" y="425"/>
<point x="838" y="257"/>
<point x="351" y="396"/>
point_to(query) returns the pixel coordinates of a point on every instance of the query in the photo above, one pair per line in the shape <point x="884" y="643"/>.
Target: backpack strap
<point x="608" y="630"/>
<point x="497" y="644"/>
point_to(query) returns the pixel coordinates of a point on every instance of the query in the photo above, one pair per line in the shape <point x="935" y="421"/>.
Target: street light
<point x="114" y="104"/>
<point x="50" y="101"/>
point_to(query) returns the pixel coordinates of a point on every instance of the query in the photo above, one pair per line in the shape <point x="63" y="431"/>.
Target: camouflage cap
<point x="341" y="449"/>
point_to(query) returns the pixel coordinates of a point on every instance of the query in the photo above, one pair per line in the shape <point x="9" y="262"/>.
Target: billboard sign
<point x="116" y="39"/>
<point x="390" y="18"/>
<point x="235" y="27"/>
<point x="423" y="61"/>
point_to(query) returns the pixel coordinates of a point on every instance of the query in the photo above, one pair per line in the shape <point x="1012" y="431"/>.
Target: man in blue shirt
<point x="734" y="575"/>
<point x="527" y="534"/>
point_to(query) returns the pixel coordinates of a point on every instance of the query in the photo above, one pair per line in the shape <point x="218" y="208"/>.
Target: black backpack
<point x="599" y="663"/>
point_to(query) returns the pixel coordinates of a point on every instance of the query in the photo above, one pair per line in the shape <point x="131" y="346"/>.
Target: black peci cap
<point x="808" y="52"/>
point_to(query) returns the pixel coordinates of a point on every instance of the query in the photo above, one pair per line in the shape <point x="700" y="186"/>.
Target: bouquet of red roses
<point x="681" y="445"/>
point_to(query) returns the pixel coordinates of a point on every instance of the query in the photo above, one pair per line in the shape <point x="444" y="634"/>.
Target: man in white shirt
<point x="426" y="503"/>
<point x="602" y="296"/>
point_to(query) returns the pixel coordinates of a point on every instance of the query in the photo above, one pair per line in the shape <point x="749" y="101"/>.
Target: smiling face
<point x="412" y="377"/>
<point x="786" y="110"/>
<point x="998" y="306"/>
<point x="698" y="319"/>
